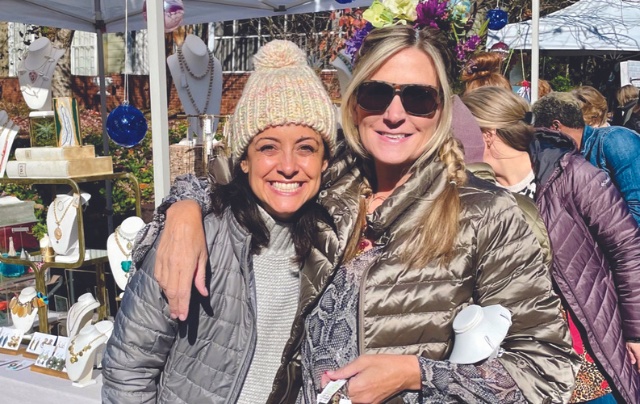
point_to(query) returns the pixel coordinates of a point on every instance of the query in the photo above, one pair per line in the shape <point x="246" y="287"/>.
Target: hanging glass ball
<point x="497" y="18"/>
<point x="344" y="1"/>
<point x="499" y="47"/>
<point x="126" y="125"/>
<point x="173" y="14"/>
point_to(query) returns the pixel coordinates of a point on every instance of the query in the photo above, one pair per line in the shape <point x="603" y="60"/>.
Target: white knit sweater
<point x="277" y="291"/>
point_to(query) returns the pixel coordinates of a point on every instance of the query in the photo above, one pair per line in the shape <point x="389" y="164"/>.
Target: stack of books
<point x="58" y="162"/>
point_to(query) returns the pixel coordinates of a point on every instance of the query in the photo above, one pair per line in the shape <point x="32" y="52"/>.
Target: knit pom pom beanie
<point x="282" y="90"/>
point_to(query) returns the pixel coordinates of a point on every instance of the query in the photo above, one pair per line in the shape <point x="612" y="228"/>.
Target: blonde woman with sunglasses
<point x="417" y="239"/>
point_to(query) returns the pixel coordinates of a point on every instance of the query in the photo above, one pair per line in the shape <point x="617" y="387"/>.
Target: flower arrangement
<point x="456" y="18"/>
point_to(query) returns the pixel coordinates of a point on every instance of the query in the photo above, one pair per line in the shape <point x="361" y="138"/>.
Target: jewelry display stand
<point x="83" y="351"/>
<point x="24" y="309"/>
<point x="119" y="247"/>
<point x="197" y="76"/>
<point x="96" y="259"/>
<point x="63" y="226"/>
<point x="35" y="71"/>
<point x="81" y="313"/>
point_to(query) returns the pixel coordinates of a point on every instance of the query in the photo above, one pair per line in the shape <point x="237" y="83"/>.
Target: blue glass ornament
<point x="344" y="1"/>
<point x="497" y="19"/>
<point x="126" y="125"/>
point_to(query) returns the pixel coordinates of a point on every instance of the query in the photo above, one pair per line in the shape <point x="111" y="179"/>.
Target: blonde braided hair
<point x="438" y="228"/>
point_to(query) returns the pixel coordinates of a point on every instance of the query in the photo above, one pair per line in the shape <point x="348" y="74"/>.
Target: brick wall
<point x="86" y="91"/>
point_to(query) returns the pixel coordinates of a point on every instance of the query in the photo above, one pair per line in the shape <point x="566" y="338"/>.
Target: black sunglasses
<point x="417" y="99"/>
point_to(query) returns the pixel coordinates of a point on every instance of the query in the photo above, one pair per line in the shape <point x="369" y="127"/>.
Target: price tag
<point x="329" y="390"/>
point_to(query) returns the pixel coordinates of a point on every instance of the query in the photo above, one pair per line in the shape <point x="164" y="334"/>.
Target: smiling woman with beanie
<point x="246" y="332"/>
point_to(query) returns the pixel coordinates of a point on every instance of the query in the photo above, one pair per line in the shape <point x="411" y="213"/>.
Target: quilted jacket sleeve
<point x="615" y="230"/>
<point x="142" y="338"/>
<point x="511" y="271"/>
<point x="185" y="187"/>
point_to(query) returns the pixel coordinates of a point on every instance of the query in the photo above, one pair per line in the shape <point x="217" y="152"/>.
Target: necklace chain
<point x="57" y="233"/>
<point x="183" y="63"/>
<point x="184" y="68"/>
<point x="41" y="71"/>
<point x="364" y="242"/>
<point x="117" y="235"/>
<point x="126" y="264"/>
<point x="19" y="308"/>
<point x="76" y="318"/>
<point x="73" y="358"/>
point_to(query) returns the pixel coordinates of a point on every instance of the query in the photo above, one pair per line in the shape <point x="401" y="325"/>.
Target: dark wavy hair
<point x="238" y="197"/>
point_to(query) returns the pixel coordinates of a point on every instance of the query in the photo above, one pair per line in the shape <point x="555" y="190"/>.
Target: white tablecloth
<point x="27" y="387"/>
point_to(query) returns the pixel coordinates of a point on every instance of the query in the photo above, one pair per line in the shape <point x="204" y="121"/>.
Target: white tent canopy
<point x="80" y="14"/>
<point x="108" y="16"/>
<point x="586" y="27"/>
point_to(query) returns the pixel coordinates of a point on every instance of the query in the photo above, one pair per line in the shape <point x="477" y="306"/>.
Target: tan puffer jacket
<point x="526" y="205"/>
<point x="497" y="261"/>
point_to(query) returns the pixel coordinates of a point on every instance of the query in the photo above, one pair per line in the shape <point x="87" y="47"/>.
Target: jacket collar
<point x="345" y="177"/>
<point x="426" y="182"/>
<point x="238" y="235"/>
<point x="546" y="151"/>
<point x="587" y="135"/>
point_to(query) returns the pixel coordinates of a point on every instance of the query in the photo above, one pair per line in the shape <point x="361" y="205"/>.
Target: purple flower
<point x="430" y="13"/>
<point x="473" y="42"/>
<point x="466" y="47"/>
<point x="353" y="44"/>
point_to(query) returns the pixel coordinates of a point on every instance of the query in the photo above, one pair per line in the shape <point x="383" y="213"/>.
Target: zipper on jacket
<point x="554" y="175"/>
<point x="248" y="353"/>
<point x="363" y="282"/>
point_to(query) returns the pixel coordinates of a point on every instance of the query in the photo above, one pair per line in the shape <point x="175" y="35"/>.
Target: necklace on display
<point x="41" y="72"/>
<point x="21" y="309"/>
<point x="126" y="264"/>
<point x="74" y="355"/>
<point x="59" y="205"/>
<point x="184" y="68"/>
<point x="71" y="315"/>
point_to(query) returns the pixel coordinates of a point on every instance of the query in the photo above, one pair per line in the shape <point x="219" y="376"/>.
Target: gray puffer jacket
<point x="152" y="358"/>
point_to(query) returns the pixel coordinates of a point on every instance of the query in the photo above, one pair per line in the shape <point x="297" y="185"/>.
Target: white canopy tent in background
<point x="593" y="27"/>
<point x="108" y="16"/>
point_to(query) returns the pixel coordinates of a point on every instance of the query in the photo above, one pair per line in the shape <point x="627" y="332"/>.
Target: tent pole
<point x="535" y="49"/>
<point x="158" y="96"/>
<point x="103" y="110"/>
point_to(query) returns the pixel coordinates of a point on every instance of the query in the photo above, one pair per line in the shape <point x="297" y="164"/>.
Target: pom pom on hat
<point x="278" y="54"/>
<point x="282" y="90"/>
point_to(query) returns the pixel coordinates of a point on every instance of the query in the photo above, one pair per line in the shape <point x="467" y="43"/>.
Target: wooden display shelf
<point x="50" y="372"/>
<point x="11" y="351"/>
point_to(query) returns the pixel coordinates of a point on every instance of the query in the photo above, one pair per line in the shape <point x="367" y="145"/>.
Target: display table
<point x="25" y="386"/>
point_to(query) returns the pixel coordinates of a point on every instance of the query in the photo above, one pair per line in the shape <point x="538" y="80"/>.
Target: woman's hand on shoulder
<point x="182" y="252"/>
<point x="374" y="378"/>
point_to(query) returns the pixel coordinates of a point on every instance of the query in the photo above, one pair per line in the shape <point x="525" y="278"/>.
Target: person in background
<point x="613" y="149"/>
<point x="483" y="69"/>
<point x="418" y="239"/>
<point x="627" y="113"/>
<point x="594" y="239"/>
<point x="239" y="344"/>
<point x="593" y="104"/>
<point x="544" y="88"/>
